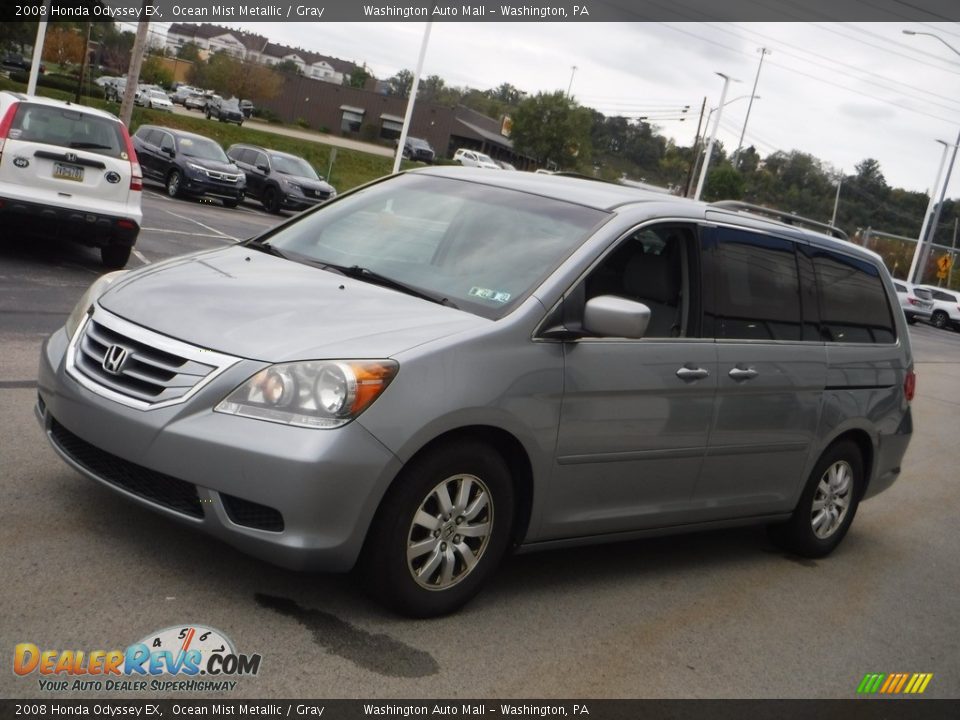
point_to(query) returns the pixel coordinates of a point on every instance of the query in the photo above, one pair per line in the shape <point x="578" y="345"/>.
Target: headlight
<point x="98" y="288"/>
<point x="197" y="168"/>
<point x="312" y="393"/>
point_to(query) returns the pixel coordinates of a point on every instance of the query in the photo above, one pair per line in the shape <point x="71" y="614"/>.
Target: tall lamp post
<point x="736" y="156"/>
<point x="408" y="116"/>
<point x="943" y="191"/>
<point x="698" y="155"/>
<point x="713" y="136"/>
<point x="919" y="250"/>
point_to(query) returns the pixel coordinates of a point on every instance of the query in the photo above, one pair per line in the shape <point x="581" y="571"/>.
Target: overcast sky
<point x="841" y="91"/>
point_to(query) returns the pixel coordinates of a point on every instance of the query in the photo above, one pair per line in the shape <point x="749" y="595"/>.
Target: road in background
<point x="719" y="614"/>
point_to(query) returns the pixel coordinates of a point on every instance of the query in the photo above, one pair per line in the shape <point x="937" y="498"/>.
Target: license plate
<point x="67" y="172"/>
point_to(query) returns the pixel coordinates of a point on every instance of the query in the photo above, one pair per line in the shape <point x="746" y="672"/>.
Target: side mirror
<point x="168" y="151"/>
<point x="612" y="316"/>
<point x="264" y="169"/>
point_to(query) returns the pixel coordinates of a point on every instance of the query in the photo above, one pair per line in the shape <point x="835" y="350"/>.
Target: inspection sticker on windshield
<point x="496" y="296"/>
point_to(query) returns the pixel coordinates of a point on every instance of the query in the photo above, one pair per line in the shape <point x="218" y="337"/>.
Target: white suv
<point x="946" y="307"/>
<point x="472" y="158"/>
<point x="915" y="301"/>
<point x="69" y="171"/>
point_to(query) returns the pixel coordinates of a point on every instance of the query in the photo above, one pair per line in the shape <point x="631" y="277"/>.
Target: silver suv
<point x="69" y="171"/>
<point x="449" y="364"/>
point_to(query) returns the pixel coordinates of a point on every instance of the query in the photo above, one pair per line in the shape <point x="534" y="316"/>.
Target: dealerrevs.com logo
<point x="196" y="657"/>
<point x="894" y="683"/>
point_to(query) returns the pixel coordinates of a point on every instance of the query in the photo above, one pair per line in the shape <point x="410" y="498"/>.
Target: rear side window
<point x="757" y="288"/>
<point x="853" y="303"/>
<point x="69" y="128"/>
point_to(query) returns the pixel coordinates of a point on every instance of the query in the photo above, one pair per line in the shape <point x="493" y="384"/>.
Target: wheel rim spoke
<point x="449" y="532"/>
<point x="832" y="499"/>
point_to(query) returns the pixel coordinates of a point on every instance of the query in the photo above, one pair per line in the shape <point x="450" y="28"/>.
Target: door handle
<point x="743" y="373"/>
<point x="688" y="373"/>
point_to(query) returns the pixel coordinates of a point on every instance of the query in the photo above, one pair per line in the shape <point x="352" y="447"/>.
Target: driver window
<point x="167" y="142"/>
<point x="651" y="266"/>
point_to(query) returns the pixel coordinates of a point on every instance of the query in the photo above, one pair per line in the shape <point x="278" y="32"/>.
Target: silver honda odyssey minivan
<point x="449" y="364"/>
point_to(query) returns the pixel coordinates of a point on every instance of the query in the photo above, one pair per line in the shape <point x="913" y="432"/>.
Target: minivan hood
<point x="243" y="302"/>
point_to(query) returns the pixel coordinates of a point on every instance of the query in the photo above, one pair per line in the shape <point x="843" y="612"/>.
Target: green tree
<point x="288" y="67"/>
<point x="552" y="128"/>
<point x="189" y="52"/>
<point x="358" y="78"/>
<point x="400" y="84"/>
<point x="155" y="72"/>
<point x="723" y="183"/>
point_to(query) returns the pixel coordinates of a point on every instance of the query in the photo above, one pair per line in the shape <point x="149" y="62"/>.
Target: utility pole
<point x="836" y="201"/>
<point x="573" y="71"/>
<point x="736" y="156"/>
<point x="133" y="73"/>
<point x="953" y="252"/>
<point x="696" y="152"/>
<point x="83" y="64"/>
<point x="38" y="51"/>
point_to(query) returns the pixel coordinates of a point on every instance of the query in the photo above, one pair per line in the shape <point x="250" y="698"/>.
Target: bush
<point x="60" y="82"/>
<point x="300" y="122"/>
<point x="267" y="115"/>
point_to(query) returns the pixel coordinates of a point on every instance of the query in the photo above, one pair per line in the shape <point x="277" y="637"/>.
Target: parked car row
<point x="188" y="164"/>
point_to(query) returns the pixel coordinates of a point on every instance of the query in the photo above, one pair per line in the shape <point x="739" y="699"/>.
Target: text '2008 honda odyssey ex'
<point x="445" y="365"/>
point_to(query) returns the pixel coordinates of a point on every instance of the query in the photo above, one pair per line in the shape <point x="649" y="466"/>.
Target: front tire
<point x="174" y="180"/>
<point x="271" y="200"/>
<point x="827" y="506"/>
<point x="441" y="530"/>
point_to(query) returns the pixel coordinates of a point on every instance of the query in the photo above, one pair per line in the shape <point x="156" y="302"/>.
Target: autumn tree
<point x="63" y="45"/>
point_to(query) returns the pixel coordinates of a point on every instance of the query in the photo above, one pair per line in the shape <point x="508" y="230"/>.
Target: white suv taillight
<point x="5" y="124"/>
<point x="136" y="174"/>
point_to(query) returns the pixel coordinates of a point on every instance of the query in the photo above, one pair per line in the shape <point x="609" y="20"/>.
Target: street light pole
<point x="713" y="137"/>
<point x="753" y="93"/>
<point x="943" y="192"/>
<point x="918" y="248"/>
<point x="836" y="201"/>
<point x="408" y="116"/>
<point x="573" y="71"/>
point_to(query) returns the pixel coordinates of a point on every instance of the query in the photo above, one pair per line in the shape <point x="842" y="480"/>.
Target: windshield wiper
<point x="371" y="276"/>
<point x="267" y="248"/>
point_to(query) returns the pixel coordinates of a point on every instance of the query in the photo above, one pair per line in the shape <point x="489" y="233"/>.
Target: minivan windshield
<point x="480" y="248"/>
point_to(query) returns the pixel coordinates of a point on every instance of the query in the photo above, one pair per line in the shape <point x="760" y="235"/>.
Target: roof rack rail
<point x="781" y="216"/>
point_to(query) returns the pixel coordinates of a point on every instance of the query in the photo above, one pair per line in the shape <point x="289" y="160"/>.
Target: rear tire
<point x="231" y="203"/>
<point x="939" y="319"/>
<point x="115" y="256"/>
<point x="441" y="530"/>
<point x="828" y="504"/>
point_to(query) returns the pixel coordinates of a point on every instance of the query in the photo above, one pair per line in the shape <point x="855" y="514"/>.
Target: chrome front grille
<point x="138" y="367"/>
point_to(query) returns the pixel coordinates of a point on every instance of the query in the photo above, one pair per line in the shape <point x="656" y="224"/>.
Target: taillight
<point x="5" y="124"/>
<point x="136" y="174"/>
<point x="909" y="385"/>
<point x="913" y="301"/>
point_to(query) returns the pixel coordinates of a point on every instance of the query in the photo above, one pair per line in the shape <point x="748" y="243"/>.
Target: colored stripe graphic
<point x="894" y="683"/>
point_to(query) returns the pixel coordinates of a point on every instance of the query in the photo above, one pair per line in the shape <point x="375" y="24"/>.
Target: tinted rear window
<point x="853" y="302"/>
<point x="69" y="128"/>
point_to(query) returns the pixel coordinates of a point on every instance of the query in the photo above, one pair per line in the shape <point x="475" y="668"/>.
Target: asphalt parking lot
<point x="719" y="614"/>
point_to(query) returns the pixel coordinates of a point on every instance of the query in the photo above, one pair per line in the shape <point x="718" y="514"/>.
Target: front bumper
<point x="197" y="184"/>
<point x="90" y="228"/>
<point x="298" y="498"/>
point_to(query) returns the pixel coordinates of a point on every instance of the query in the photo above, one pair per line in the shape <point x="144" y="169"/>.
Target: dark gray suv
<point x="448" y="364"/>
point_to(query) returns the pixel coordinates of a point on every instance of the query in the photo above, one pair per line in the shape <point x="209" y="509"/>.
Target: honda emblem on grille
<point x="114" y="359"/>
